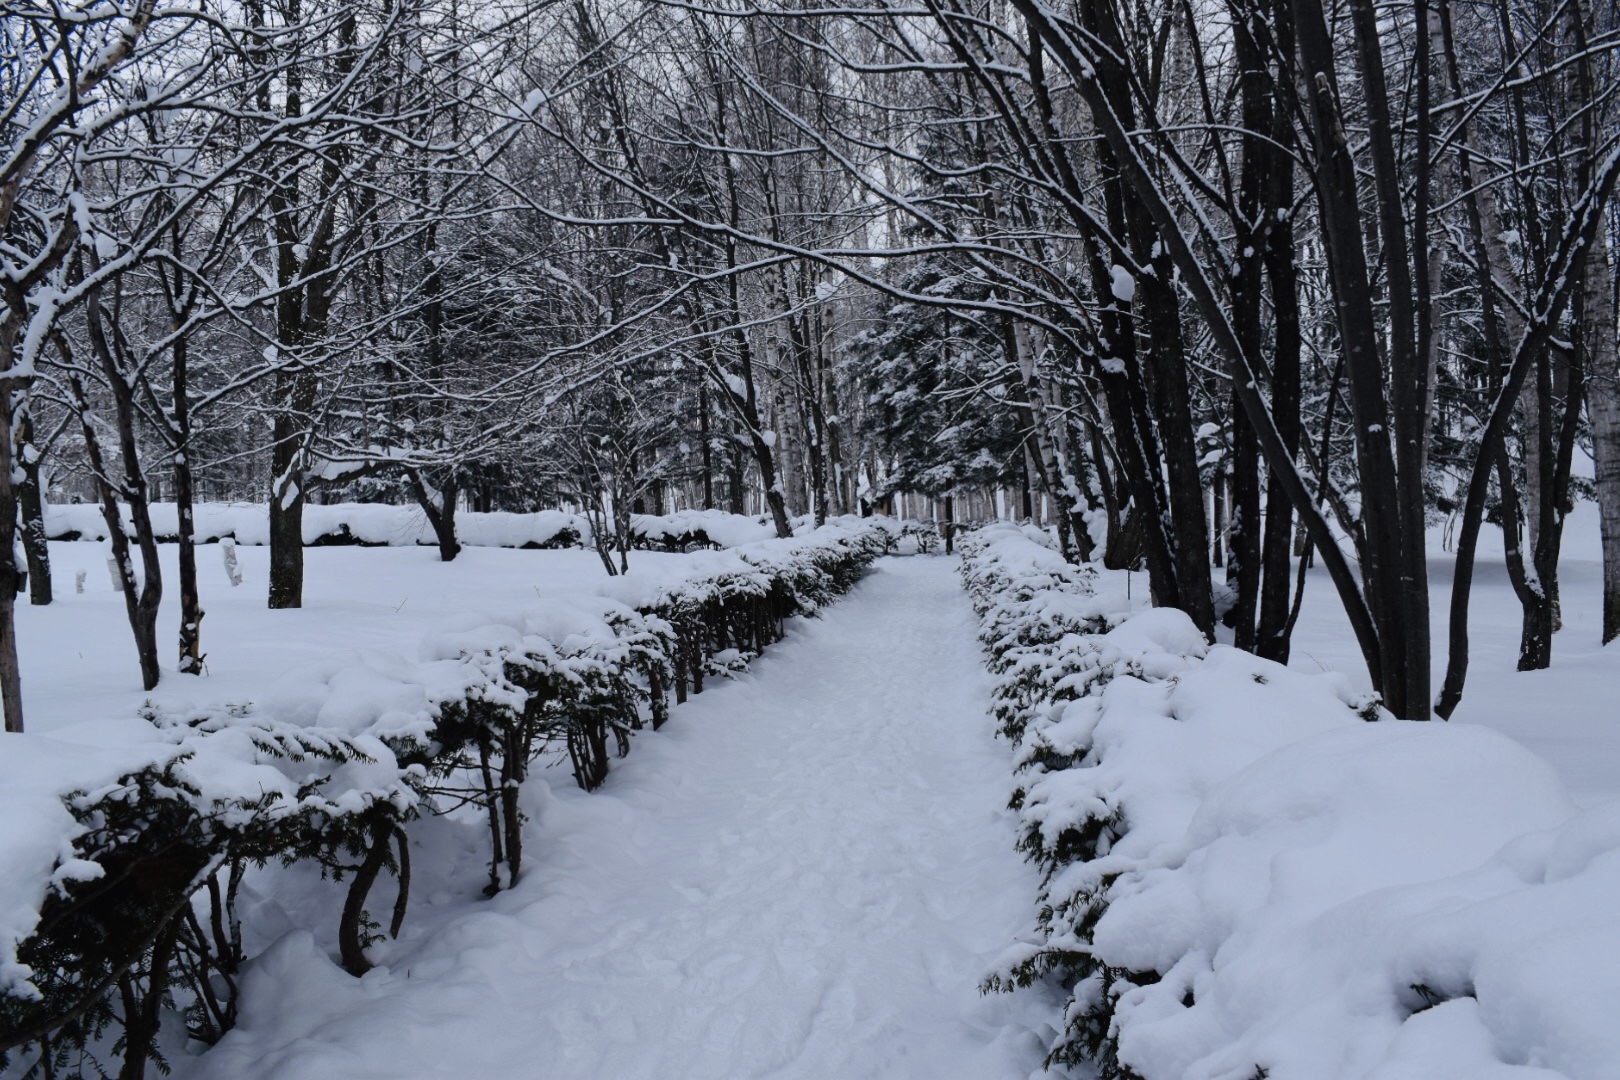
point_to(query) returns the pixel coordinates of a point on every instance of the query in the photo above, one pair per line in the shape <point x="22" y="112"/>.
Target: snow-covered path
<point x="804" y="875"/>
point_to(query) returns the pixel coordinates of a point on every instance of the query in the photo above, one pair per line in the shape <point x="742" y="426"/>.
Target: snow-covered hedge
<point x="379" y="525"/>
<point x="685" y="529"/>
<point x="113" y="828"/>
<point x="336" y="523"/>
<point x="1243" y="877"/>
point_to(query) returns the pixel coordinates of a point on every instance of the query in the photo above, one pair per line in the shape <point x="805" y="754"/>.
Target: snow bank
<point x="1243" y="877"/>
<point x="336" y="523"/>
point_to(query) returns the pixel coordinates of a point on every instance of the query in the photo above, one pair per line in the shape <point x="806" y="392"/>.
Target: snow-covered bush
<point x="924" y="535"/>
<point x="685" y="530"/>
<point x="126" y="840"/>
<point x="1071" y="676"/>
<point x="1035" y="614"/>
<point x="1242" y="877"/>
<point x="369" y="524"/>
<point x="114" y="827"/>
<point x="742" y="602"/>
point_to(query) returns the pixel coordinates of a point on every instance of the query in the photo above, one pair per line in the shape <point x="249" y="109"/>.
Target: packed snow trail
<point x="804" y="875"/>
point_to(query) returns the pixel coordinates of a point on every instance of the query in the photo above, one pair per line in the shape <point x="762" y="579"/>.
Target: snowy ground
<point x="78" y="659"/>
<point x="805" y="874"/>
<point x="1566" y="714"/>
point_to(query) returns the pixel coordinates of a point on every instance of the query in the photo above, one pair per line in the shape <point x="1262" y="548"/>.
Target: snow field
<point x="803" y="875"/>
<point x="1242" y="877"/>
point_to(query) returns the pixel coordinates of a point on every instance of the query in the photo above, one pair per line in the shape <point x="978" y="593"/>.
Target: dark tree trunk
<point x="514" y="770"/>
<point x="1541" y="618"/>
<point x="351" y="927"/>
<point x="295" y="395"/>
<point x="1273" y="636"/>
<point x="1603" y="404"/>
<point x="191" y="612"/>
<point x="1243" y="538"/>
<point x="747" y="408"/>
<point x="1393" y="571"/>
<point x="706" y="441"/>
<point x="1152" y="408"/>
<point x="1172" y="408"/>
<point x="10" y="672"/>
<point x="31" y="505"/>
<point x="812" y="418"/>
<point x="736" y="482"/>
<point x="141" y="597"/>
<point x="1026" y="486"/>
<point x="440" y="507"/>
<point x="1264" y="42"/>
<point x="1244" y="569"/>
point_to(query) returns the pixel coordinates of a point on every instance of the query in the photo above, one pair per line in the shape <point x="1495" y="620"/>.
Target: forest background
<point x="1349" y="265"/>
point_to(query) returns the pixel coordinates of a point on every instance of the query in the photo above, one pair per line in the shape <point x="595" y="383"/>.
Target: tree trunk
<point x="1265" y="247"/>
<point x="10" y="672"/>
<point x="191" y="612"/>
<point x="706" y="444"/>
<point x="31" y="504"/>
<point x="143" y="598"/>
<point x="351" y="927"/>
<point x="1392" y="578"/>
<point x="1155" y="387"/>
<point x="295" y="396"/>
<point x="1243" y="564"/>
<point x="1603" y="404"/>
<point x="140" y="599"/>
<point x="440" y="507"/>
